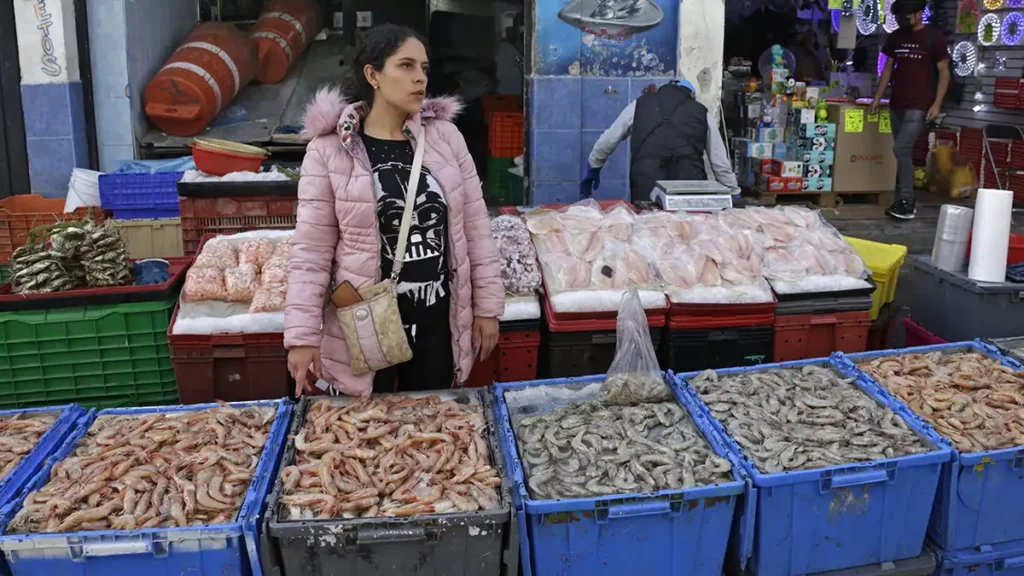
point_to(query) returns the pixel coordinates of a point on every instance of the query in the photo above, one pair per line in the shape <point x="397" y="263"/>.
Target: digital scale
<point x="691" y="195"/>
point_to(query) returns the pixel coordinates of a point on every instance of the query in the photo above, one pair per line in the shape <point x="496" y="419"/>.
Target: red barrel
<point x="200" y="79"/>
<point x="284" y="30"/>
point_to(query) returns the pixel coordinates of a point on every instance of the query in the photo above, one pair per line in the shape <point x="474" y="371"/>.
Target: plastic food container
<point x="837" y="517"/>
<point x="221" y="157"/>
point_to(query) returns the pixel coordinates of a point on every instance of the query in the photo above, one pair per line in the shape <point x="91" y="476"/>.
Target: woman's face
<point x="403" y="81"/>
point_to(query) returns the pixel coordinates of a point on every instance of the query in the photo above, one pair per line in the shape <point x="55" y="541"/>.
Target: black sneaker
<point x="902" y="209"/>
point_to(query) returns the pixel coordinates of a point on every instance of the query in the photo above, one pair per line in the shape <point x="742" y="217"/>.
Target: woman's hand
<point x="485" y="335"/>
<point x="302" y="359"/>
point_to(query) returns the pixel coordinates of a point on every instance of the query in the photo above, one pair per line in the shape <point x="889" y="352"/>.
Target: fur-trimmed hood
<point x="327" y="109"/>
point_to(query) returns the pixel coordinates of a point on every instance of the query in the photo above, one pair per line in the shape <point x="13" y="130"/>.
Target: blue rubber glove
<point x="591" y="181"/>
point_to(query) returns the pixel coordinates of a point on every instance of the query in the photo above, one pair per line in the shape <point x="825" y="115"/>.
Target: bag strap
<point x="410" y="205"/>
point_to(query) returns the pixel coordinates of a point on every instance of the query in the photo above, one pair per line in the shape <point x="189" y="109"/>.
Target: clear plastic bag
<point x="283" y="249"/>
<point x="634" y="376"/>
<point x="275" y="271"/>
<point x="567" y="273"/>
<point x="256" y="252"/>
<point x="204" y="284"/>
<point x="269" y="298"/>
<point x="241" y="283"/>
<point x="217" y="255"/>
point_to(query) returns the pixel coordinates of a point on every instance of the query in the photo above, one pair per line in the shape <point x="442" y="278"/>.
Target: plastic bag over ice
<point x="634" y="376"/>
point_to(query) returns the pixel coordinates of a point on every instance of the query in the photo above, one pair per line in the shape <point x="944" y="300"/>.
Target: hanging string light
<point x="927" y="18"/>
<point x="993" y="4"/>
<point x="988" y="29"/>
<point x="836" y="15"/>
<point x="967" y="16"/>
<point x="867" y="17"/>
<point x="890" y="25"/>
<point x="1015" y="3"/>
<point x="965" y="58"/>
<point x="1013" y="28"/>
<point x="881" y="62"/>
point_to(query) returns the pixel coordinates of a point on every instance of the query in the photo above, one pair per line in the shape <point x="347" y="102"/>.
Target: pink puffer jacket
<point x="337" y="230"/>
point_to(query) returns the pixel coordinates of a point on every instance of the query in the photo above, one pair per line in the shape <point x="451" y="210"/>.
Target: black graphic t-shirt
<point x="423" y="288"/>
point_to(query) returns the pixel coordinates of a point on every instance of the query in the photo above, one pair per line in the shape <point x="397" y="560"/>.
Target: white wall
<point x="701" y="45"/>
<point x="47" y="49"/>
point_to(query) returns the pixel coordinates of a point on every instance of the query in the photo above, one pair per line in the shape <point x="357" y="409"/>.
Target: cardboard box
<point x="812" y="157"/>
<point x="864" y="161"/>
<point x="816" y="144"/>
<point x="766" y="166"/>
<point x="780" y="74"/>
<point x="817" y="171"/>
<point x="813" y="94"/>
<point x="771" y="135"/>
<point x="828" y="130"/>
<point x="758" y="149"/>
<point x="780" y="184"/>
<point x="780" y="151"/>
<point x="817" y="185"/>
<point x="785" y="168"/>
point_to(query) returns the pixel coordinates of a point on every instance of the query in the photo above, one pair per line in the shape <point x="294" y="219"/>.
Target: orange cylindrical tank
<point x="284" y="30"/>
<point x="200" y="79"/>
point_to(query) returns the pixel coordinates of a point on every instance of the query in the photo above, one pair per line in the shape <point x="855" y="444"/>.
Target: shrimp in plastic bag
<point x="256" y="252"/>
<point x="204" y="284"/>
<point x="217" y="255"/>
<point x="269" y="298"/>
<point x="241" y="283"/>
<point x="275" y="271"/>
<point x="283" y="249"/>
<point x="634" y="376"/>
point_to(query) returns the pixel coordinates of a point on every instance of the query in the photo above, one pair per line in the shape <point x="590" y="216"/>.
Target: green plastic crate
<point x="98" y="356"/>
<point x="500" y="188"/>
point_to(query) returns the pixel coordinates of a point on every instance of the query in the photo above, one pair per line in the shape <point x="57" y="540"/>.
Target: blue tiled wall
<point x="567" y="116"/>
<point x="55" y="135"/>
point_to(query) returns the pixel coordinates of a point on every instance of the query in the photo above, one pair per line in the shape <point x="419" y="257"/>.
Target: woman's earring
<point x="376" y="87"/>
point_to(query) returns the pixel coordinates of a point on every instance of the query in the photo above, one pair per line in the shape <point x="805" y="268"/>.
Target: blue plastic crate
<point x="139" y="195"/>
<point x="1006" y="559"/>
<point x="832" y="518"/>
<point x="48" y="444"/>
<point x="221" y="550"/>
<point x="980" y="499"/>
<point x="11" y="488"/>
<point x="679" y="532"/>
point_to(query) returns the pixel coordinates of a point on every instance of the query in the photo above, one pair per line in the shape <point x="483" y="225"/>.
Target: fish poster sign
<point x="606" y="37"/>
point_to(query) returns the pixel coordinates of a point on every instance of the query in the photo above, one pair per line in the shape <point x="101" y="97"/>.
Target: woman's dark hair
<point x="376" y="46"/>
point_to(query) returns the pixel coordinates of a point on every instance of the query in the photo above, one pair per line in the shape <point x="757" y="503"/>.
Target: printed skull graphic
<point x="423" y="270"/>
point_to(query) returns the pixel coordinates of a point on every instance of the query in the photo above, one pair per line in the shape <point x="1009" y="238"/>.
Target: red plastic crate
<point x="505" y="135"/>
<point x="494" y="103"/>
<point x="917" y="336"/>
<point x="801" y="336"/>
<point x="701" y="316"/>
<point x="228" y="367"/>
<point x="20" y="214"/>
<point x="605" y="206"/>
<point x="1016" y="185"/>
<point x="592" y="321"/>
<point x="231" y="215"/>
<point x="1014" y="252"/>
<point x="513" y="360"/>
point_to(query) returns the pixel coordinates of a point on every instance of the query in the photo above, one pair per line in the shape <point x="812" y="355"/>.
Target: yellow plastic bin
<point x="152" y="238"/>
<point x="884" y="261"/>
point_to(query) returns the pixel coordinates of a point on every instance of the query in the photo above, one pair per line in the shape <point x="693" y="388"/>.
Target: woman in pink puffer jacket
<point x="351" y="197"/>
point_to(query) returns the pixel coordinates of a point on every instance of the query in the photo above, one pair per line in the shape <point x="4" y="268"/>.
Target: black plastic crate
<point x="691" y="350"/>
<point x="481" y="543"/>
<point x="825" y="305"/>
<point x="569" y="354"/>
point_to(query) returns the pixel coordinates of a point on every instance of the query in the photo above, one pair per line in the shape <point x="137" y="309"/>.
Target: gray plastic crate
<point x="955" y="308"/>
<point x="480" y="543"/>
<point x="1011" y="347"/>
